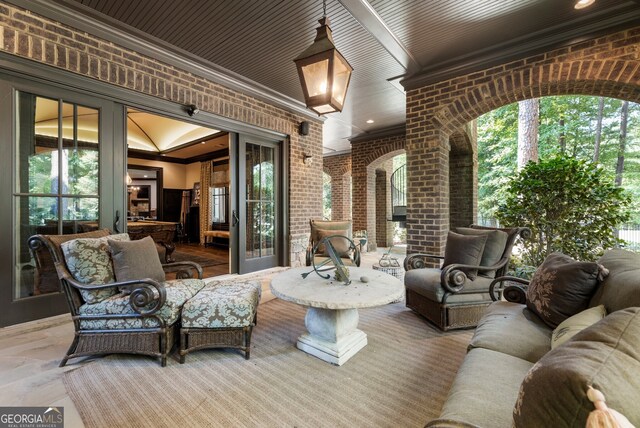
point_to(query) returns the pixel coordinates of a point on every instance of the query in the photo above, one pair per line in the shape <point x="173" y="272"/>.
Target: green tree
<point x="570" y="206"/>
<point x="326" y="196"/>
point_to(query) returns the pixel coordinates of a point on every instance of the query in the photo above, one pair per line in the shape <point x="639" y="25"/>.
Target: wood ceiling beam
<point x="369" y="19"/>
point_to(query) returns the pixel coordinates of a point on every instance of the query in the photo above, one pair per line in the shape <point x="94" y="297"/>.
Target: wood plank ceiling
<point x="258" y="39"/>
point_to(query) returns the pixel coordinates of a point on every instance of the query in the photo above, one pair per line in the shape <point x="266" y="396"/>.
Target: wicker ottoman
<point x="221" y="315"/>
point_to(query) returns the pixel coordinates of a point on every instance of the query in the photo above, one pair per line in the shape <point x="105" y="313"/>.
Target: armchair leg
<point x="70" y="351"/>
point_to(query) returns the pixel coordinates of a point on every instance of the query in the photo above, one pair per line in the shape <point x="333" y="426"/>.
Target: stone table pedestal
<point x="332" y="314"/>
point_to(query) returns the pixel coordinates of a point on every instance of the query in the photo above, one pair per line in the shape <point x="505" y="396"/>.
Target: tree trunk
<point x="562" y="141"/>
<point x="596" y="146"/>
<point x="528" y="119"/>
<point x="623" y="139"/>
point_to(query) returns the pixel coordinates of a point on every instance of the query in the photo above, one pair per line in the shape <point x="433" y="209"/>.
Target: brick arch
<point x="608" y="65"/>
<point x="608" y="78"/>
<point x="367" y="155"/>
<point x="338" y="167"/>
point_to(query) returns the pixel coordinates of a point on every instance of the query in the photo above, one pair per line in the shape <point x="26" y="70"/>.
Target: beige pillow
<point x="575" y="324"/>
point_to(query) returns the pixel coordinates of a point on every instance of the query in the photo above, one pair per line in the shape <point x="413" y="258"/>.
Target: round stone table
<point x="332" y="314"/>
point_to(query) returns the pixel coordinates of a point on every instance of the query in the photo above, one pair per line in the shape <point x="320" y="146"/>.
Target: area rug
<point x="400" y="379"/>
<point x="208" y="261"/>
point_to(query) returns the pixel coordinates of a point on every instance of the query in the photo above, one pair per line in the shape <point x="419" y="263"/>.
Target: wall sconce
<point x="192" y="110"/>
<point x="307" y="159"/>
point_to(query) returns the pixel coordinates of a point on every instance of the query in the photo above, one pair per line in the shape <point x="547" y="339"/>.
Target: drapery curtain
<point x="206" y="172"/>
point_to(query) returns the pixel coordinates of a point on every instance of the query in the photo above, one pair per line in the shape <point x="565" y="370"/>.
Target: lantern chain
<point x="324" y="8"/>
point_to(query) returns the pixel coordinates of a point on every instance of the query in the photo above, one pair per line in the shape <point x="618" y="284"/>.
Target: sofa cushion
<point x="178" y="292"/>
<point x="621" y="288"/>
<point x="493" y="249"/>
<point x="575" y="324"/>
<point x="136" y="260"/>
<point x="464" y="249"/>
<point x="512" y="329"/>
<point x="561" y="287"/>
<point x="89" y="261"/>
<point x="485" y="389"/>
<point x="426" y="282"/>
<point x="605" y="355"/>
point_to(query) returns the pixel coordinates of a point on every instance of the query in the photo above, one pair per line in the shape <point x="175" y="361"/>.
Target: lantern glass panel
<point x="341" y="73"/>
<point x="315" y="77"/>
<point x="324" y="109"/>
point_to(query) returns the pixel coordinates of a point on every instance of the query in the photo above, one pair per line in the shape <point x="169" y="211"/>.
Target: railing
<point x="399" y="194"/>
<point x="629" y="232"/>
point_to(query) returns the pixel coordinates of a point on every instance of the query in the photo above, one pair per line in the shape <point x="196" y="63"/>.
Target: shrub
<point x="571" y="206"/>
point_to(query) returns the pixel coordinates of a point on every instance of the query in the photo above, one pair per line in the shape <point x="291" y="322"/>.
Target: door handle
<point x="235" y="220"/>
<point x="116" y="223"/>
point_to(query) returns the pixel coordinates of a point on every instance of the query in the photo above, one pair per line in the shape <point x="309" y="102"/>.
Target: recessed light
<point x="581" y="4"/>
<point x="203" y="142"/>
<point x="145" y="176"/>
<point x="370" y="121"/>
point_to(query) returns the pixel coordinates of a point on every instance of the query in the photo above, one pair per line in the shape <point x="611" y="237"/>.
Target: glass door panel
<point x="57" y="178"/>
<point x="258" y="214"/>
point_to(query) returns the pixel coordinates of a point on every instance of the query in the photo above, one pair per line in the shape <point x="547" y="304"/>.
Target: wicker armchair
<point x="323" y="228"/>
<point x="447" y="296"/>
<point x="143" y="322"/>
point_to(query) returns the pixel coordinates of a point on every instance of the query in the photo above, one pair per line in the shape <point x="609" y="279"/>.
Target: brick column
<point x="339" y="169"/>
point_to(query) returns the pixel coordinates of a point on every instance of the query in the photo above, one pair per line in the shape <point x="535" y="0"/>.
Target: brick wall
<point x="28" y="35"/>
<point x="366" y="156"/>
<point x="339" y="169"/>
<point x="607" y="66"/>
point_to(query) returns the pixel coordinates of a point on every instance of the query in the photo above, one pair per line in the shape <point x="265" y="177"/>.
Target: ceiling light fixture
<point x="370" y="121"/>
<point x="581" y="4"/>
<point x="324" y="73"/>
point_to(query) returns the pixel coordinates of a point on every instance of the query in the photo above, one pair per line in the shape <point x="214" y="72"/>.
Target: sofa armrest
<point x="511" y="293"/>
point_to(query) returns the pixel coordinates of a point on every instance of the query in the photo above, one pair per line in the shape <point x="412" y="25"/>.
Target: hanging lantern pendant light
<point x="324" y="73"/>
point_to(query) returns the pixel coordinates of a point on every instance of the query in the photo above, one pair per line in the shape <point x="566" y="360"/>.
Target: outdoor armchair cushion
<point x="466" y="250"/>
<point x="341" y="245"/>
<point x="427" y="282"/>
<point x="178" y="292"/>
<point x="493" y="249"/>
<point x="89" y="262"/>
<point x="136" y="260"/>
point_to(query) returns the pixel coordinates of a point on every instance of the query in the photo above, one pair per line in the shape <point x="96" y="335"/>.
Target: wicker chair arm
<point x="142" y="299"/>
<point x="184" y="273"/>
<point x="416" y="261"/>
<point x="309" y="255"/>
<point x="511" y="293"/>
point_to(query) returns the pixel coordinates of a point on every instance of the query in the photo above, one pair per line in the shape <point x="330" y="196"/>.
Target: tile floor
<point x="30" y="354"/>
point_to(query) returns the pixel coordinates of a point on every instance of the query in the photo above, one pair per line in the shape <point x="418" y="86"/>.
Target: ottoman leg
<point x="247" y="342"/>
<point x="183" y="346"/>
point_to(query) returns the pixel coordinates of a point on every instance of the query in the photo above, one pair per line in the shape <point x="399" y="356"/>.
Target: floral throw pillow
<point x="89" y="261"/>
<point x="561" y="287"/>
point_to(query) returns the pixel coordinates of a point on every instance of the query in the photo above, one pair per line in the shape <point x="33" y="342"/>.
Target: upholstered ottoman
<point x="221" y="315"/>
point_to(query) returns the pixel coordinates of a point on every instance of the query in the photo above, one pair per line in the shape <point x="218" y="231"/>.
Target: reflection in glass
<point x="260" y="201"/>
<point x="56" y="179"/>
<point x="34" y="215"/>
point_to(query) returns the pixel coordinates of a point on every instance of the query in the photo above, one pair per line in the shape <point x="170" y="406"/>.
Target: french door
<point x="61" y="170"/>
<point x="259" y="197"/>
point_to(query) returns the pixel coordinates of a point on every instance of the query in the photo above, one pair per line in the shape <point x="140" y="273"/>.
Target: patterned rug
<point x="400" y="379"/>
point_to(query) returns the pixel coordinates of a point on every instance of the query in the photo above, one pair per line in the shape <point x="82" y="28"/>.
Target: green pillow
<point x="466" y="250"/>
<point x="575" y="324"/>
<point x="136" y="260"/>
